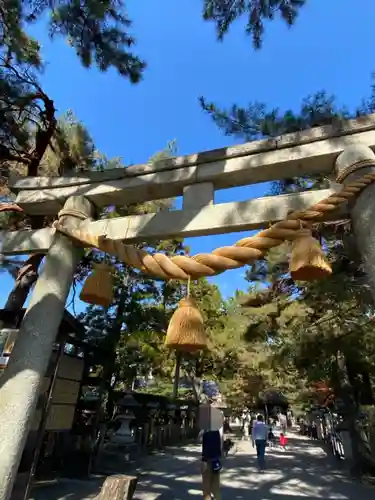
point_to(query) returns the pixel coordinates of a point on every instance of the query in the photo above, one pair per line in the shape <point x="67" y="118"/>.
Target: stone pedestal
<point x="124" y="435"/>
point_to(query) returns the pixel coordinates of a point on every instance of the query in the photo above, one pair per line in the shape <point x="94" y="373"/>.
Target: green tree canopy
<point x="256" y="12"/>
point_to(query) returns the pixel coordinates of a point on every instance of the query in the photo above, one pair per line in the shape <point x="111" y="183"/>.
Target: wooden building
<point x="65" y="422"/>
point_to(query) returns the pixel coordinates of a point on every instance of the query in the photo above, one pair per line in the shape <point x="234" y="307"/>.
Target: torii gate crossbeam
<point x="195" y="177"/>
<point x="303" y="153"/>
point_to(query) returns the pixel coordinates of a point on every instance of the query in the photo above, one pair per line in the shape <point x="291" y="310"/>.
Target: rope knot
<point x="355" y="167"/>
<point x="72" y="212"/>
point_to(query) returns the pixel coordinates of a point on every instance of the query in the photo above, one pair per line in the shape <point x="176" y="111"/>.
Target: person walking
<point x="271" y="436"/>
<point x="283" y="423"/>
<point x="259" y="436"/>
<point x="314" y="431"/>
<point x="211" y="464"/>
<point x="245" y="426"/>
<point x="283" y="441"/>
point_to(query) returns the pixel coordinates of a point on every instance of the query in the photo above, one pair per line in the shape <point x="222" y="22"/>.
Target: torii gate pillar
<point x="22" y="380"/>
<point x="354" y="162"/>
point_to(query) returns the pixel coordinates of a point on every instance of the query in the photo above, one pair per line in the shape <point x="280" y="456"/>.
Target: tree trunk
<point x="196" y="385"/>
<point x="26" y="277"/>
<point x="177" y="370"/>
<point x="28" y="274"/>
<point x="197" y="389"/>
<point x="110" y="366"/>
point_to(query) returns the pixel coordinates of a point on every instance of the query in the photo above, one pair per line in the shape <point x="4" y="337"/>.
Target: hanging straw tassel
<point x="307" y="261"/>
<point x="98" y="287"/>
<point x="186" y="332"/>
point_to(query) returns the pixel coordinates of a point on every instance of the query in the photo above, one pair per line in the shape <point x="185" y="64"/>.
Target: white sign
<point x="210" y="418"/>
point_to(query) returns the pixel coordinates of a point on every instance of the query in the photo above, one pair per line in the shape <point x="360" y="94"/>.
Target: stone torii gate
<point x="345" y="149"/>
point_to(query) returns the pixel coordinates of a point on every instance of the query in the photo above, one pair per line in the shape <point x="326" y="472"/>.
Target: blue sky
<point x="331" y="47"/>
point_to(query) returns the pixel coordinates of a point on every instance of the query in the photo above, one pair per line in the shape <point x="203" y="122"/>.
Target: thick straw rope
<point x="244" y="251"/>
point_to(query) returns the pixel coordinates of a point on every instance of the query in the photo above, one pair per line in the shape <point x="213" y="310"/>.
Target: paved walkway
<point x="303" y="472"/>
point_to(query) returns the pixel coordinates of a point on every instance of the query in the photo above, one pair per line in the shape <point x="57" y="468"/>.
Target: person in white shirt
<point x="245" y="429"/>
<point x="259" y="435"/>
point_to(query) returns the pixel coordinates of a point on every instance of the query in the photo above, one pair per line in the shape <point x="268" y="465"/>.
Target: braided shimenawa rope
<point x="244" y="251"/>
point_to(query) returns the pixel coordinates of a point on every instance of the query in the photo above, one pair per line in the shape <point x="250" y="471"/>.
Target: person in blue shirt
<point x="259" y="436"/>
<point x="211" y="464"/>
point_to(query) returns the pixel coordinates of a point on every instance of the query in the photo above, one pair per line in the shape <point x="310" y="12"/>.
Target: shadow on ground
<point x="302" y="472"/>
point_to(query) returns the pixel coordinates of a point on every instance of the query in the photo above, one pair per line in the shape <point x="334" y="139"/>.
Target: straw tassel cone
<point x="98" y="287"/>
<point x="307" y="261"/>
<point x="186" y="332"/>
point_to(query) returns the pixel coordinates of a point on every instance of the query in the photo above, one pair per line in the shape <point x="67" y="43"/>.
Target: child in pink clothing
<point x="283" y="441"/>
